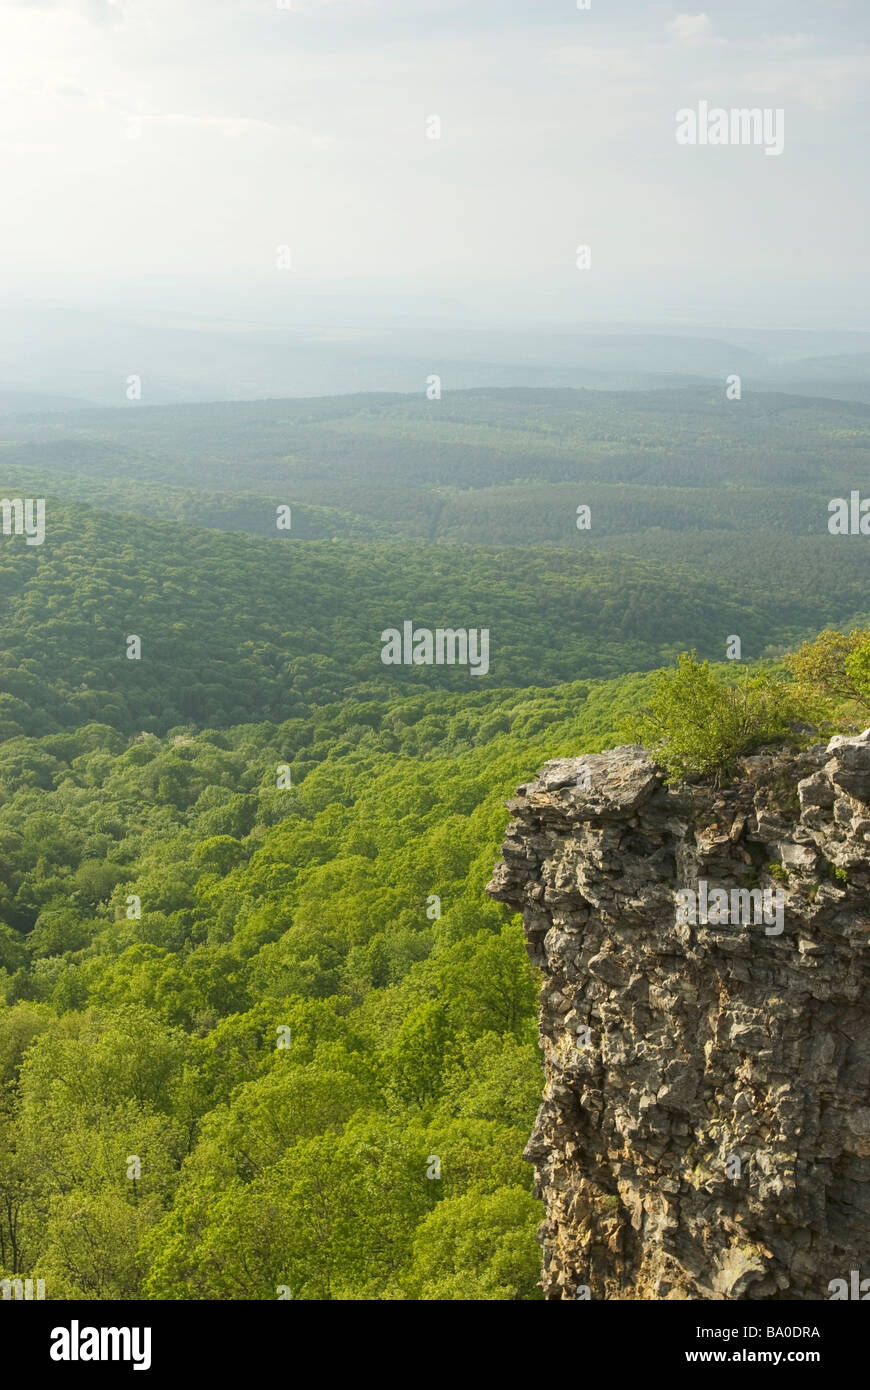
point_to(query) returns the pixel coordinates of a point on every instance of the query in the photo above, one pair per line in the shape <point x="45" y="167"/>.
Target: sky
<point x="159" y="152"/>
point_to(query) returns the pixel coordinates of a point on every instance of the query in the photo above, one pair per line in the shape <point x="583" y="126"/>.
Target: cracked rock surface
<point x="705" y="1126"/>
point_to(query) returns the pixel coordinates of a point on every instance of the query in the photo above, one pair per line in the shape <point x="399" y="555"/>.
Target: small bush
<point x="836" y="873"/>
<point x="833" y="670"/>
<point x="697" y="722"/>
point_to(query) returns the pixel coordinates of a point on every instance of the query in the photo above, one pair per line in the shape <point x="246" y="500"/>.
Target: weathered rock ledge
<point x="705" y="1126"/>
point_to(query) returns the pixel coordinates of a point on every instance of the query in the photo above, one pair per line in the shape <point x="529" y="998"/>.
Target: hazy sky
<point x="143" y="140"/>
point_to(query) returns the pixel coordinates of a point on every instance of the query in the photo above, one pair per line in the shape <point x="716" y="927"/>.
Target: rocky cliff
<point x="705" y="1019"/>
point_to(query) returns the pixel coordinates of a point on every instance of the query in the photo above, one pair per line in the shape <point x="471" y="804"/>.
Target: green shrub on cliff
<point x="698" y="722"/>
<point x="832" y="673"/>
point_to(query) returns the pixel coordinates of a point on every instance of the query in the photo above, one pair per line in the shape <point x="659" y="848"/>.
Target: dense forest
<point x="236" y="628"/>
<point x="492" y="467"/>
<point x="172" y="917"/>
<point x="261" y="1032"/>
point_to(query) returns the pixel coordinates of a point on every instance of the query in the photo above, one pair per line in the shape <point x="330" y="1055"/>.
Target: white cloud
<point x="691" y="28"/>
<point x="816" y="83"/>
<point x="615" y="64"/>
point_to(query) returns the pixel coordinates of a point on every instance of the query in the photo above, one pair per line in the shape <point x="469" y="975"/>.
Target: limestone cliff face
<point x="705" y="1126"/>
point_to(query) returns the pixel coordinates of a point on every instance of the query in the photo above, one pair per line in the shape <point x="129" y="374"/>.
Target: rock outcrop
<point x="705" y="1126"/>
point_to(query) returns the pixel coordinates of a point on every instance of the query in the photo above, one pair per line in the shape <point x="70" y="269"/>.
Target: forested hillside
<point x="344" y="916"/>
<point x="260" y="1029"/>
<point x="484" y="467"/>
<point x="237" y="628"/>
